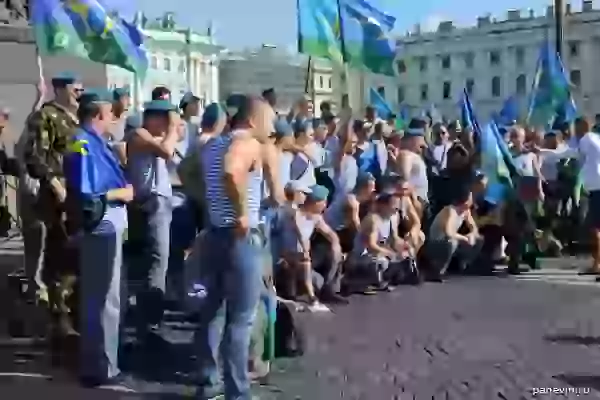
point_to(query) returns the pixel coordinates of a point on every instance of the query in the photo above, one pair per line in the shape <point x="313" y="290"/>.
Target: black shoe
<point x="435" y="277"/>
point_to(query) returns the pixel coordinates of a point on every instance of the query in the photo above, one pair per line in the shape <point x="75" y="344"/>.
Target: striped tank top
<point x="221" y="212"/>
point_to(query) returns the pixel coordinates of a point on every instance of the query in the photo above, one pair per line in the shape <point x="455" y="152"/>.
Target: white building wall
<point x="253" y="71"/>
<point x="519" y="32"/>
<point x="169" y="56"/>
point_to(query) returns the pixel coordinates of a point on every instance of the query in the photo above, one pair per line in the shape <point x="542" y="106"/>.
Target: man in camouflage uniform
<point x="49" y="131"/>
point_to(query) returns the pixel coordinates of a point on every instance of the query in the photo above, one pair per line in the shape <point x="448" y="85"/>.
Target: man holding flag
<point x="97" y="194"/>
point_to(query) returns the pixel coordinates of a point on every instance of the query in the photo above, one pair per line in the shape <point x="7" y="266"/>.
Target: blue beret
<point x="188" y="98"/>
<point x="95" y="96"/>
<point x="283" y="128"/>
<point x="65" y="78"/>
<point x="212" y="113"/>
<point x="160" y="105"/>
<point x="120" y="92"/>
<point x="318" y="193"/>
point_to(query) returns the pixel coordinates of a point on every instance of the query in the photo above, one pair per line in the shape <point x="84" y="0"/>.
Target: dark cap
<point x="188" y="98"/>
<point x="65" y="78"/>
<point x="160" y="106"/>
<point x="416" y="127"/>
<point x="211" y="115"/>
<point x="268" y="92"/>
<point x="161" y="93"/>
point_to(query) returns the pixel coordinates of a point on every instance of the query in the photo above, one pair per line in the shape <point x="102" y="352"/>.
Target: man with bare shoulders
<point x="408" y="162"/>
<point x="234" y="166"/>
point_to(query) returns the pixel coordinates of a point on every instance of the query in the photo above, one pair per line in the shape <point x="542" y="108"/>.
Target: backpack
<point x="289" y="335"/>
<point x="404" y="272"/>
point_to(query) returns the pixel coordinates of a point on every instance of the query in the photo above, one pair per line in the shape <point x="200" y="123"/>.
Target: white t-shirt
<point x="587" y="151"/>
<point x="549" y="164"/>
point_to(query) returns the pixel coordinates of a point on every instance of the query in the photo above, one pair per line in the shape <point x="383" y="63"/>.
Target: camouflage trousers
<point x="59" y="273"/>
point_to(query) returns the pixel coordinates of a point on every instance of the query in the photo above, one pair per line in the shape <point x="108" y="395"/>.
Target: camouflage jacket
<point x="49" y="130"/>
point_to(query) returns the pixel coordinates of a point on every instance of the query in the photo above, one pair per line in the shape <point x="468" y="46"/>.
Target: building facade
<point x="180" y="59"/>
<point x="253" y="71"/>
<point x="493" y="60"/>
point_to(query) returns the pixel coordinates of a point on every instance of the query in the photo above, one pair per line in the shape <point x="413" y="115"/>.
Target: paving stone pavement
<point x="469" y="338"/>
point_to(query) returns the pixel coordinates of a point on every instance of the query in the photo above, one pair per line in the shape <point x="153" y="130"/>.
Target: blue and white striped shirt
<point x="220" y="209"/>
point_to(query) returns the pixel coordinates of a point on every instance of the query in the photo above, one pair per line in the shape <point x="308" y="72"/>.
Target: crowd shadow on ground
<point x="579" y="381"/>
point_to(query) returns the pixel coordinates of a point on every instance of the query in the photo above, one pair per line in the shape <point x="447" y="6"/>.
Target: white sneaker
<point x="317" y="307"/>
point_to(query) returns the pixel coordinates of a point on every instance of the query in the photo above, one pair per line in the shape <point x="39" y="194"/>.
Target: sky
<point x="249" y="23"/>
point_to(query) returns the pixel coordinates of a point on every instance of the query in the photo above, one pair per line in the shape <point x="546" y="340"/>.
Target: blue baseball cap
<point x="188" y="98"/>
<point x="282" y="128"/>
<point x="317" y="193"/>
<point x="211" y="115"/>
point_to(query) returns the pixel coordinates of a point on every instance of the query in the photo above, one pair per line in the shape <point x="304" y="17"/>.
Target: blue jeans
<point x="183" y="232"/>
<point x="150" y="222"/>
<point x="100" y="259"/>
<point x="231" y="274"/>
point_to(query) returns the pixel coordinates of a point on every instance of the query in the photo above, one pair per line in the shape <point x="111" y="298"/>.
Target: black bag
<point x="404" y="272"/>
<point x="289" y="336"/>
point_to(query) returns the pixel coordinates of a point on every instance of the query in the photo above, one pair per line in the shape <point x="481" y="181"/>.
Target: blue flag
<point x="509" y="113"/>
<point x="493" y="164"/>
<point x="91" y="168"/>
<point x="87" y="29"/>
<point x="551" y="92"/>
<point x="467" y="114"/>
<point x="382" y="108"/>
<point x="366" y="36"/>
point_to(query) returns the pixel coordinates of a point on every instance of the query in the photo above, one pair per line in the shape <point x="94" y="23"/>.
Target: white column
<point x="214" y="74"/>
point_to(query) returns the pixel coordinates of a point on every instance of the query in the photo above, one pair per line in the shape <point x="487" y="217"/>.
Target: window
<point x="153" y="62"/>
<point x="470" y="85"/>
<point x="521" y="84"/>
<point x="494" y="57"/>
<point x="575" y="78"/>
<point x="574" y="49"/>
<point x="181" y="67"/>
<point x="329" y="82"/>
<point x="446" y="62"/>
<point x="469" y="60"/>
<point x="381" y="91"/>
<point x="400" y="95"/>
<point x="447" y="90"/>
<point x="520" y="56"/>
<point x="321" y="83"/>
<point x="423" y="64"/>
<point x="401" y="66"/>
<point x="424" y="92"/>
<point x="167" y="64"/>
<point x="496" y="86"/>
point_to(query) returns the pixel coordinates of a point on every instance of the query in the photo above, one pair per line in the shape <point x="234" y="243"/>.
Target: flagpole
<point x="308" y="73"/>
<point x="346" y="69"/>
<point x="137" y="84"/>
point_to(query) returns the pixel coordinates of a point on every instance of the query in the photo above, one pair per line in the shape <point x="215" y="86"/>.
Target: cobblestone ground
<point x="469" y="338"/>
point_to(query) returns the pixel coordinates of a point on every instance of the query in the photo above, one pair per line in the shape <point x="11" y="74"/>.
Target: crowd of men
<point x="249" y="205"/>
